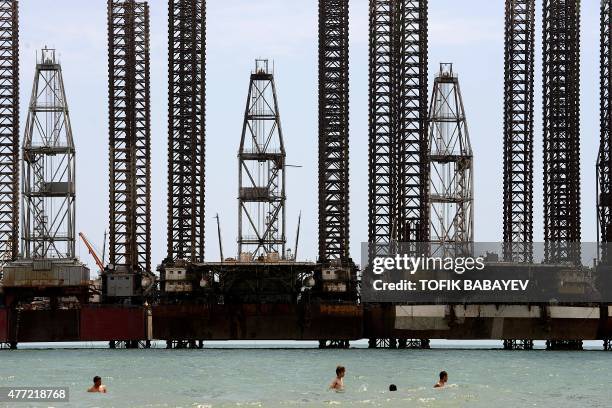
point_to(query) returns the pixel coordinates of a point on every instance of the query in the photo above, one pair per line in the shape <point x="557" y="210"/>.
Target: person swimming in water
<point x="338" y="383"/>
<point x="393" y="387"/>
<point x="97" y="385"/>
<point x="443" y="380"/>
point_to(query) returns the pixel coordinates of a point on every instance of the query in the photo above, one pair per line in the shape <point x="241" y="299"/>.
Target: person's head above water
<point x="97" y="381"/>
<point x="392" y="387"/>
<point x="443" y="376"/>
<point x="340" y="371"/>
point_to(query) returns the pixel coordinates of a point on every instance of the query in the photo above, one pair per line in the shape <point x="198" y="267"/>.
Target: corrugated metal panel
<point x="105" y="323"/>
<point x="36" y="275"/>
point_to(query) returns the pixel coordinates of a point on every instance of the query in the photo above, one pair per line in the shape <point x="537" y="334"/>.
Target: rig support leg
<point x="563" y="345"/>
<point x="518" y="344"/>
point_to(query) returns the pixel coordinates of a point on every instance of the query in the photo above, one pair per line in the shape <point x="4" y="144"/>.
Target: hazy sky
<point x="468" y="33"/>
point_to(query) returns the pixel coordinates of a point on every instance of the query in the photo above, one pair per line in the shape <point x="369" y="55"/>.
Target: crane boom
<point x="92" y="252"/>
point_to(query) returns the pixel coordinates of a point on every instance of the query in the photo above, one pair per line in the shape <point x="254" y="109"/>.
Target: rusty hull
<point x="257" y="322"/>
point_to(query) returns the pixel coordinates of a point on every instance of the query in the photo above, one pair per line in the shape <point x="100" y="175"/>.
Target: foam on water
<point x="299" y="378"/>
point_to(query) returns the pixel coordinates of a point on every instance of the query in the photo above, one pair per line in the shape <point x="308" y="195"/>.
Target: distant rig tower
<point x="261" y="192"/>
<point x="48" y="167"/>
<point x="451" y="193"/>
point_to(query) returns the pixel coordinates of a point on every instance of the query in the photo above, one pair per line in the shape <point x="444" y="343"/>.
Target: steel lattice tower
<point x="561" y="83"/>
<point x="412" y="144"/>
<point x="261" y="170"/>
<point x="604" y="160"/>
<point x="382" y="126"/>
<point x="130" y="134"/>
<point x="518" y="129"/>
<point x="48" y="167"/>
<point x="9" y="130"/>
<point x="186" y="137"/>
<point x="398" y="165"/>
<point x="333" y="131"/>
<point x="451" y="193"/>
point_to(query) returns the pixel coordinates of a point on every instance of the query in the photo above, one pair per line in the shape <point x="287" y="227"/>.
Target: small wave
<point x="426" y="400"/>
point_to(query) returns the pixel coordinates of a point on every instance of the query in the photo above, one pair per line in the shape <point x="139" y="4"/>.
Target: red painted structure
<point x="106" y="323"/>
<point x="3" y="325"/>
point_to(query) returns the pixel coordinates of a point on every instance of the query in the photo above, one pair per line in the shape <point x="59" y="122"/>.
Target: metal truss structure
<point x="186" y="129"/>
<point x="412" y="143"/>
<point x="130" y="134"/>
<point x="9" y="131"/>
<point x="382" y="181"/>
<point x="561" y="92"/>
<point x="48" y="167"/>
<point x="398" y="165"/>
<point x="604" y="160"/>
<point x="261" y="171"/>
<point x="333" y="131"/>
<point x="518" y="129"/>
<point x="451" y="194"/>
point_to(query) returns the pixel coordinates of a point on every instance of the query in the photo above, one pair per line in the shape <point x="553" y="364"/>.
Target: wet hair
<point x="443" y="374"/>
<point x="392" y="387"/>
<point x="340" y="369"/>
<point x="96" y="379"/>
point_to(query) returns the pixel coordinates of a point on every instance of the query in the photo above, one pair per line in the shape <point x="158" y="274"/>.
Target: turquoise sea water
<point x="218" y="377"/>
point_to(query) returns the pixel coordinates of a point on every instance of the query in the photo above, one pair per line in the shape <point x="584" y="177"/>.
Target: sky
<point x="468" y="33"/>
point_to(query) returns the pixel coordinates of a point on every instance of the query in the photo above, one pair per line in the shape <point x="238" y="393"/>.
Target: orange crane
<point x="92" y="252"/>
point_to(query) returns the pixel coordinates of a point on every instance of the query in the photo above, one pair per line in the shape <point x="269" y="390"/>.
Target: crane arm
<point x="92" y="252"/>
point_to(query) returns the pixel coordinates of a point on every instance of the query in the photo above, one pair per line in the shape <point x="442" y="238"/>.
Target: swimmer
<point x="443" y="380"/>
<point x="97" y="387"/>
<point x="338" y="383"/>
<point x="392" y="387"/>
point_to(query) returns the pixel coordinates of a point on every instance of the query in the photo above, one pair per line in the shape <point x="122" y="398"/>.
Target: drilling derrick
<point x="518" y="129"/>
<point x="9" y="131"/>
<point x="48" y="196"/>
<point x="451" y="185"/>
<point x="561" y="92"/>
<point x="398" y="163"/>
<point x="130" y="134"/>
<point x="261" y="172"/>
<point x="339" y="272"/>
<point x="187" y="50"/>
<point x="48" y="167"/>
<point x="604" y="160"/>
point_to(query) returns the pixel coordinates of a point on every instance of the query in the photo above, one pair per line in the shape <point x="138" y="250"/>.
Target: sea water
<point x="291" y="377"/>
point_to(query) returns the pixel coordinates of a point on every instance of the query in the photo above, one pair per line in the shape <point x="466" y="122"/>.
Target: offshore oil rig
<point x="420" y="190"/>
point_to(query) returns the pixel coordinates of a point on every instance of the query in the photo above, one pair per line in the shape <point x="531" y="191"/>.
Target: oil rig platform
<point x="265" y="291"/>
